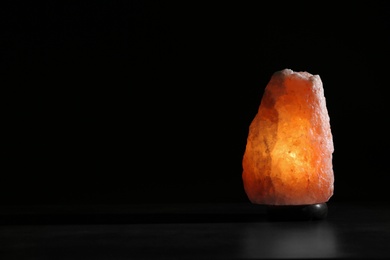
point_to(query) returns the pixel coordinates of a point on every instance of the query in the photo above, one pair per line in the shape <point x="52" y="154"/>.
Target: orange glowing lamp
<point x="288" y="154"/>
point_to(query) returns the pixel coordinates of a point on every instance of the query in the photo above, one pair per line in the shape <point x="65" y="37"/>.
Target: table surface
<point x="191" y="231"/>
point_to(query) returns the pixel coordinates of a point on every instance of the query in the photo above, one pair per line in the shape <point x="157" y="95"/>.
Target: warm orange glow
<point x="288" y="156"/>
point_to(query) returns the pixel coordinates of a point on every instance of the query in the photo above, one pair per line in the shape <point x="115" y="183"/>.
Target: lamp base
<point x="297" y="212"/>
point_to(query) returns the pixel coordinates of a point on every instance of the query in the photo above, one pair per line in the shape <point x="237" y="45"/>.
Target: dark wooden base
<point x="297" y="212"/>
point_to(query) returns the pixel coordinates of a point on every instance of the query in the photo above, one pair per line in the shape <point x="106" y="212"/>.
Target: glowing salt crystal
<point x="288" y="155"/>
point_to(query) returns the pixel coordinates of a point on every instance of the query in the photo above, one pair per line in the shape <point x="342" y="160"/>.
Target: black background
<point x="122" y="102"/>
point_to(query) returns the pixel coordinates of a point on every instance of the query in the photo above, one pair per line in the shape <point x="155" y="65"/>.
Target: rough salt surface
<point x="288" y="155"/>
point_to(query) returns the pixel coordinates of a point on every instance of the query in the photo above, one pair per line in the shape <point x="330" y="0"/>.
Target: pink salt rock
<point x="288" y="155"/>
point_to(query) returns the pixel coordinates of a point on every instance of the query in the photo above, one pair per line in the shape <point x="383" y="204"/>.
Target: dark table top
<point x="191" y="231"/>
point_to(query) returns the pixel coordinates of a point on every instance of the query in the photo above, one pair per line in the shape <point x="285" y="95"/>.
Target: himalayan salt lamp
<point x="288" y="154"/>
